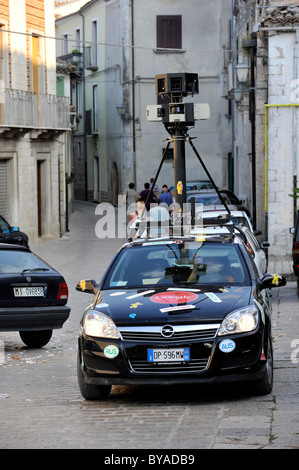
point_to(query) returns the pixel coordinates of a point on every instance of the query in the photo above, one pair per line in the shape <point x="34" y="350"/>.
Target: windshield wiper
<point x="34" y="270"/>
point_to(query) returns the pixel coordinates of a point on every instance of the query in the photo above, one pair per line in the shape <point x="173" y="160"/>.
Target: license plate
<point x="28" y="291"/>
<point x="168" y="355"/>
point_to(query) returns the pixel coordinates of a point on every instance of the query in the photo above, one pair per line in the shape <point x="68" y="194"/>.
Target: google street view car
<point x="178" y="310"/>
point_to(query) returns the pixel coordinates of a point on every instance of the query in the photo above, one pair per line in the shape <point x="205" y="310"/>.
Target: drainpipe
<point x="133" y="93"/>
<point x="295" y="124"/>
<point x="84" y="105"/>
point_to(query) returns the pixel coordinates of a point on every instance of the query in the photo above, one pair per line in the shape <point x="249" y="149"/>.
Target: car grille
<point x="181" y="333"/>
<point x="99" y="363"/>
<point x="195" y="365"/>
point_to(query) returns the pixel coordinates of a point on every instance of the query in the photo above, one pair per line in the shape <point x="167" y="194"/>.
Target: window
<point x="94" y="55"/>
<point x="169" y="32"/>
<point x="79" y="97"/>
<point x="78" y="39"/>
<point x="3" y="188"/>
<point x="95" y="109"/>
<point x="65" y="44"/>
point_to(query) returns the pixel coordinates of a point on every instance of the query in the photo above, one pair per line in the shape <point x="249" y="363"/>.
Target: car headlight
<point x="100" y="325"/>
<point x="240" y="321"/>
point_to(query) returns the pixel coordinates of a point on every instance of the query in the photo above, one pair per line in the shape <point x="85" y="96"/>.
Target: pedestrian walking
<point x="166" y="195"/>
<point x="159" y="213"/>
<point x="129" y="199"/>
<point x="131" y="195"/>
<point x="156" y="187"/>
<point x="144" y="194"/>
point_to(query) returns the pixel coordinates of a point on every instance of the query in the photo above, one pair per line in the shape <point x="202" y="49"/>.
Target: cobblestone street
<point x="41" y="406"/>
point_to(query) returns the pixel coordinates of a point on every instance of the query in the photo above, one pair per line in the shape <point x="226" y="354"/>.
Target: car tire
<point x="89" y="391"/>
<point x="36" y="339"/>
<point x="264" y="385"/>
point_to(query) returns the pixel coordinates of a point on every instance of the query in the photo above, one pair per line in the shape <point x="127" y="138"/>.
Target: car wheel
<point x="89" y="391"/>
<point x="264" y="385"/>
<point x="36" y="339"/>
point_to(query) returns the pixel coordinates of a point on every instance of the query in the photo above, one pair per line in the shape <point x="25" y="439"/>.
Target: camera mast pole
<point x="179" y="137"/>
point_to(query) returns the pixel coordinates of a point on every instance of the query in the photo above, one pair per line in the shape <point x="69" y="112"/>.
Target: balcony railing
<point x="20" y="108"/>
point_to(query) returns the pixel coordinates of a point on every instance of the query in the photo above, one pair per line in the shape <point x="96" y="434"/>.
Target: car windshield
<point x="171" y="263"/>
<point x="12" y="262"/>
<point x="207" y="199"/>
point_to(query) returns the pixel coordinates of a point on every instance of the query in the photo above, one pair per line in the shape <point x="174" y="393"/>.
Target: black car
<point x="33" y="295"/>
<point x="177" y="310"/>
<point x="9" y="234"/>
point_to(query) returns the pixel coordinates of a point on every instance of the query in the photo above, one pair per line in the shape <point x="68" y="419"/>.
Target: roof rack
<point x="221" y="225"/>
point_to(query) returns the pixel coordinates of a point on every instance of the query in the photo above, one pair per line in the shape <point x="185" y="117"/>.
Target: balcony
<point x="22" y="112"/>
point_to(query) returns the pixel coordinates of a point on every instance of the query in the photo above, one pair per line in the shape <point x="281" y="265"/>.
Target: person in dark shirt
<point x="143" y="196"/>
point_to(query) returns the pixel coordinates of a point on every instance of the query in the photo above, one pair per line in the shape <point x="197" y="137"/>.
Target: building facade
<point x="33" y="120"/>
<point x="266" y="39"/>
<point x="123" y="46"/>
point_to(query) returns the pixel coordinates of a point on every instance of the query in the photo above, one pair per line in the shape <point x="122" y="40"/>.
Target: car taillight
<point x="63" y="291"/>
<point x="296" y="246"/>
<point x="250" y="248"/>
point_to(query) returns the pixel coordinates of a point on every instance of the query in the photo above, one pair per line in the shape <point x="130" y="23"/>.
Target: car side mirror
<point x="88" y="286"/>
<point x="265" y="244"/>
<point x="292" y="230"/>
<point x="272" y="280"/>
<point x="15" y="229"/>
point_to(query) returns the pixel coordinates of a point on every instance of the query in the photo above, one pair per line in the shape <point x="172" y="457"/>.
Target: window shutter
<point x="169" y="32"/>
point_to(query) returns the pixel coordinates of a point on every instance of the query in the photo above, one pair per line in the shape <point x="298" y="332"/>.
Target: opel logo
<point x="167" y="331"/>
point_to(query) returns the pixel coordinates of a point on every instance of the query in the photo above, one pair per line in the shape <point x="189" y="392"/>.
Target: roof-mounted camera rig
<point x="177" y="117"/>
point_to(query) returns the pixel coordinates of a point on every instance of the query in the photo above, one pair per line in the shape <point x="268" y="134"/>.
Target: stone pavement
<point x="41" y="406"/>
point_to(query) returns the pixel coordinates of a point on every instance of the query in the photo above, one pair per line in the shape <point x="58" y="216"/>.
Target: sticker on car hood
<point x="174" y="297"/>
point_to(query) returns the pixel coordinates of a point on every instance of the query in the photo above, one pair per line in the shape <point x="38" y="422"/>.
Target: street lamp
<point x="121" y="109"/>
<point x="242" y="71"/>
<point x="237" y="94"/>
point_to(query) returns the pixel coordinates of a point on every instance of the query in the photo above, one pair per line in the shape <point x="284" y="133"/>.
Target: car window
<point x="178" y="262"/>
<point x="253" y="241"/>
<point x="3" y="225"/>
<point x="240" y="221"/>
<point x="208" y="199"/>
<point x="17" y="261"/>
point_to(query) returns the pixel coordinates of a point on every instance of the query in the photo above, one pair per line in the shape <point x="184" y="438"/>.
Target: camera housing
<point x="172" y="113"/>
<point x="176" y="84"/>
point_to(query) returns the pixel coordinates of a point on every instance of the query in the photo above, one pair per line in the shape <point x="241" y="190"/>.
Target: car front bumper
<point x="245" y="362"/>
<point x="33" y="318"/>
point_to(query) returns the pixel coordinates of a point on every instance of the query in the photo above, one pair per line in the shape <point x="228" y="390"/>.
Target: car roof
<point x="215" y="230"/>
<point x="12" y="246"/>
<point x="219" y="211"/>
